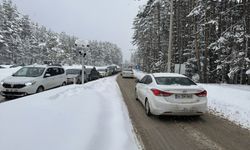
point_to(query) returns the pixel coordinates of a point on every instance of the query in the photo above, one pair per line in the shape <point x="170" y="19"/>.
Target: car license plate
<point x="183" y="96"/>
<point x="11" y="90"/>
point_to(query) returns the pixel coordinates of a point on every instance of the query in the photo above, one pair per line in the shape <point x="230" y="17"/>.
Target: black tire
<point x="78" y="81"/>
<point x="136" y="95"/>
<point x="147" y="108"/>
<point x="64" y="83"/>
<point x="39" y="89"/>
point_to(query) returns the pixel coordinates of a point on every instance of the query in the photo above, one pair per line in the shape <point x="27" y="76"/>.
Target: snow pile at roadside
<point x="75" y="117"/>
<point x="230" y="101"/>
<point x="7" y="72"/>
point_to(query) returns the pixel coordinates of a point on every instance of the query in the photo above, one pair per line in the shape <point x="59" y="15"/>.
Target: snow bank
<point x="230" y="101"/>
<point x="139" y="74"/>
<point x="75" y="117"/>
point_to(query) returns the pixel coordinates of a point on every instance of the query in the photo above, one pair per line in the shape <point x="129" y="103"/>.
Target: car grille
<point x="14" y="86"/>
<point x="14" y="93"/>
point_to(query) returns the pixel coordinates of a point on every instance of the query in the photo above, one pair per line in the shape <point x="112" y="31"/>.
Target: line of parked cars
<point x="74" y="75"/>
<point x="38" y="78"/>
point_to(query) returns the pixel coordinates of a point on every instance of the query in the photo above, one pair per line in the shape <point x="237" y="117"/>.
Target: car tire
<point x="39" y="89"/>
<point x="79" y="81"/>
<point x="147" y="108"/>
<point x="64" y="83"/>
<point x="136" y="95"/>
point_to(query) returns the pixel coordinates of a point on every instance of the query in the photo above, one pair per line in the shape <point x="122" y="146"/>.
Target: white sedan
<point x="127" y="73"/>
<point x="171" y="94"/>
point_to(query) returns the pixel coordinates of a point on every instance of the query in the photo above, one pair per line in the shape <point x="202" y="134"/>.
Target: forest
<point x="211" y="37"/>
<point x="23" y="41"/>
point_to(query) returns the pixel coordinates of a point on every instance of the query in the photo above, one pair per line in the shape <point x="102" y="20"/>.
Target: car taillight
<point x="202" y="94"/>
<point x="157" y="92"/>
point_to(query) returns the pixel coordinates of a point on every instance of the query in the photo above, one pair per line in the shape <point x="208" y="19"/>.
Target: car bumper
<point x="6" y="92"/>
<point x="165" y="108"/>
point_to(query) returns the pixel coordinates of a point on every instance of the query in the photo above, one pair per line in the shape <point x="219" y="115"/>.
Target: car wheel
<point x="136" y="95"/>
<point x="79" y="81"/>
<point x="39" y="89"/>
<point x="147" y="108"/>
<point x="64" y="83"/>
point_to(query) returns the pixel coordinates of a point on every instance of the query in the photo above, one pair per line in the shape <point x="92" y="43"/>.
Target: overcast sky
<point x="105" y="20"/>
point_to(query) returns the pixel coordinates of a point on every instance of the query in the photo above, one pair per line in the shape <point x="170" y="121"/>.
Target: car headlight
<point x="1" y="82"/>
<point x="30" y="83"/>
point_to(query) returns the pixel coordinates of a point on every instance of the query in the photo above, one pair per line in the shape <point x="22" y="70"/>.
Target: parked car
<point x="127" y="73"/>
<point x="171" y="94"/>
<point x="112" y="69"/>
<point x="103" y="71"/>
<point x="32" y="79"/>
<point x="94" y="74"/>
<point x="75" y="76"/>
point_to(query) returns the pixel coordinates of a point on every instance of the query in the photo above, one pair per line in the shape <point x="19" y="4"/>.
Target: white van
<point x="32" y="79"/>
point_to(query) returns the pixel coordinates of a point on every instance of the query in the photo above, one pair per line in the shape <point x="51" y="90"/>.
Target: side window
<point x="61" y="70"/>
<point x="149" y="80"/>
<point x="49" y="71"/>
<point x="143" y="80"/>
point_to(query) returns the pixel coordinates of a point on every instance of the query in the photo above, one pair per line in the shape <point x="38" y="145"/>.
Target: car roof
<point x="43" y="66"/>
<point x="167" y="75"/>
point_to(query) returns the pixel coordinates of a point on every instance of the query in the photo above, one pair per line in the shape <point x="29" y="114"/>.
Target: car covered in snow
<point x="32" y="79"/>
<point x="171" y="94"/>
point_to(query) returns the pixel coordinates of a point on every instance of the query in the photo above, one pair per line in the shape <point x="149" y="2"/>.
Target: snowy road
<point x="208" y="132"/>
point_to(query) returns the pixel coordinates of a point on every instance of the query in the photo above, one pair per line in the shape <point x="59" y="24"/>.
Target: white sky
<point x="105" y="20"/>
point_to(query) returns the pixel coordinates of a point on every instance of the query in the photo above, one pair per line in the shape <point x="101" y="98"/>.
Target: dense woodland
<point x="211" y="37"/>
<point x="25" y="42"/>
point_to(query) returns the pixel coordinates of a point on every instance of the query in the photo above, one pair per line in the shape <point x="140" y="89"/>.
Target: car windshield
<point x="29" y="72"/>
<point x="174" y="81"/>
<point x="73" y="71"/>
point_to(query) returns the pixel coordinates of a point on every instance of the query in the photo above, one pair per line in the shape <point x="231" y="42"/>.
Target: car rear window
<point x="174" y="81"/>
<point x="127" y="69"/>
<point x="73" y="71"/>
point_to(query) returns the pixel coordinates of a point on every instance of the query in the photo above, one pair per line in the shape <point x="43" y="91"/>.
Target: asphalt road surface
<point x="182" y="133"/>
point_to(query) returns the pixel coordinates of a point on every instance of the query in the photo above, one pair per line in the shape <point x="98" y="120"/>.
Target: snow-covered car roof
<point x="101" y="67"/>
<point x="167" y="75"/>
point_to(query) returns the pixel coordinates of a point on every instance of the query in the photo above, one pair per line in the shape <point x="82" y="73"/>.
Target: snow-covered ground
<point x="75" y="117"/>
<point x="228" y="101"/>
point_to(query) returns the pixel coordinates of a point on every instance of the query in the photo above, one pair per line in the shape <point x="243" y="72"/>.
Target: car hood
<point x="18" y="80"/>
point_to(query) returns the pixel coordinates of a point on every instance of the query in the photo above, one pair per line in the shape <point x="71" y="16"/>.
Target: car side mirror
<point x="47" y="75"/>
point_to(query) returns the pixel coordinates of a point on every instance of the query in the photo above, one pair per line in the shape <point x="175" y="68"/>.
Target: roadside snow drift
<point x="230" y="101"/>
<point x="225" y="100"/>
<point x="76" y="117"/>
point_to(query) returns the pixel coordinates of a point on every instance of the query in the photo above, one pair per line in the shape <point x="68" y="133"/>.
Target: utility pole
<point x="170" y="36"/>
<point x="82" y="47"/>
